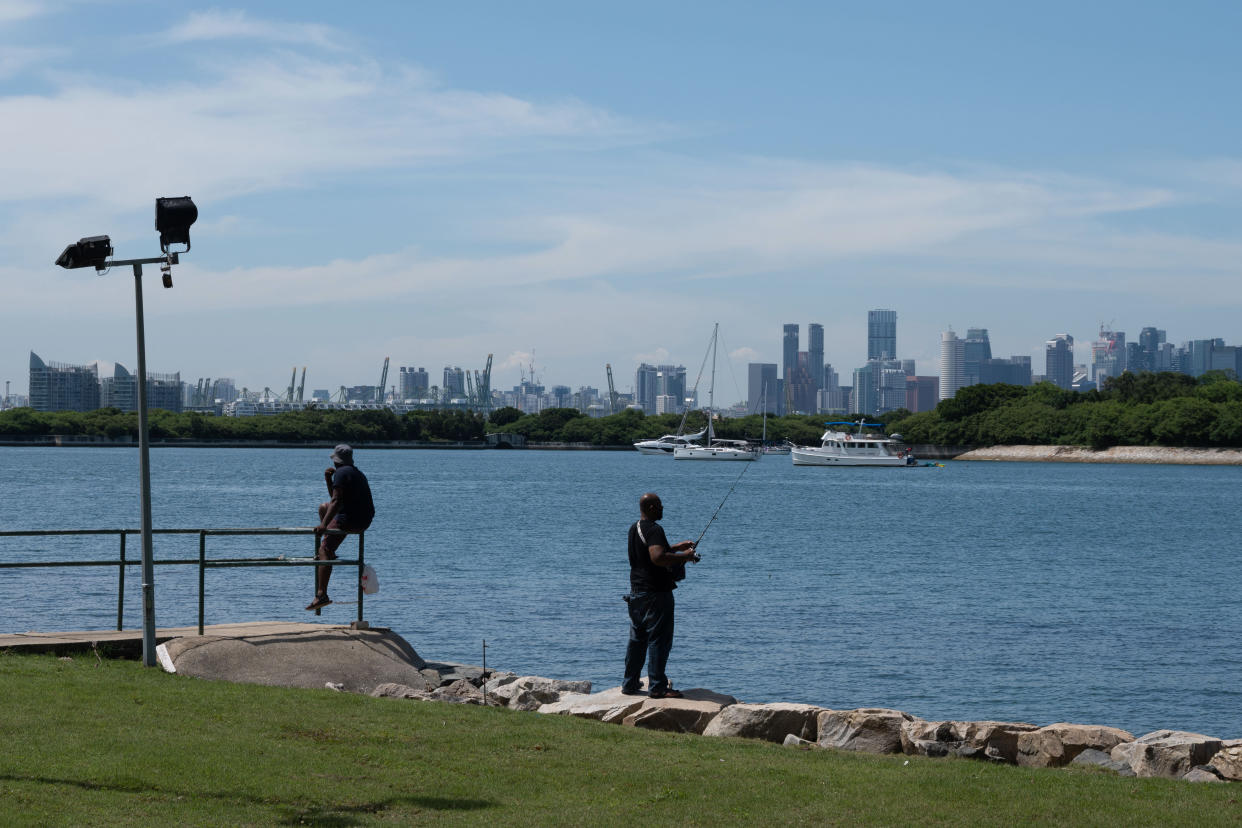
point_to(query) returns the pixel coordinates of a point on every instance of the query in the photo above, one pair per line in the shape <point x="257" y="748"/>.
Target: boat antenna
<point x="721" y="506"/>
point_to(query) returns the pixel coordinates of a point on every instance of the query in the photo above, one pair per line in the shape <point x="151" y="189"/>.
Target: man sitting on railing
<point x="350" y="510"/>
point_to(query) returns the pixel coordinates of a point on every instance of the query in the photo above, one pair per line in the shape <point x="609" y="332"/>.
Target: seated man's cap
<point x="342" y="454"/>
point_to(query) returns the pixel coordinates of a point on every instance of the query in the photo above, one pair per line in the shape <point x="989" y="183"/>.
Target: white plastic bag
<point x="370" y="581"/>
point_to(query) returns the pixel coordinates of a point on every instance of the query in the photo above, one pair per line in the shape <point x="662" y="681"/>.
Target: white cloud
<point x="744" y="355"/>
<point x="12" y="11"/>
<point x="236" y="24"/>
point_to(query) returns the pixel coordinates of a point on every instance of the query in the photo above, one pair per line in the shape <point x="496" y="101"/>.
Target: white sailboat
<point x="715" y="449"/>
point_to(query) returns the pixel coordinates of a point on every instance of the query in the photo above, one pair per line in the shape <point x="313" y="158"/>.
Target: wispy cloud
<point x="12" y="11"/>
<point x="238" y="25"/>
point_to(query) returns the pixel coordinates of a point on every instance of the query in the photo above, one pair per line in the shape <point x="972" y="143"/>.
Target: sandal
<point x="319" y="602"/>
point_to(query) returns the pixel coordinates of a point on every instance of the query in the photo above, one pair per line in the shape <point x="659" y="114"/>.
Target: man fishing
<point x="655" y="567"/>
<point x="351" y="509"/>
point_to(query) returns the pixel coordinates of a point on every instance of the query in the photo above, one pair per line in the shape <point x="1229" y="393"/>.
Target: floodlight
<point x="91" y="251"/>
<point x="173" y="217"/>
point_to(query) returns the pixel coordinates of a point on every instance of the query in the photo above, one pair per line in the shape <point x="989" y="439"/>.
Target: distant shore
<point x="1116" y="454"/>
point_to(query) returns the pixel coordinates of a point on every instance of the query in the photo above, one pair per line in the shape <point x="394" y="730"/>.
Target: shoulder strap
<point x="638" y="526"/>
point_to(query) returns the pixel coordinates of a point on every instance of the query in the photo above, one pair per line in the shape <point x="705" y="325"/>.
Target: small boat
<point x="714" y="449"/>
<point x="843" y="448"/>
<point x="778" y="448"/>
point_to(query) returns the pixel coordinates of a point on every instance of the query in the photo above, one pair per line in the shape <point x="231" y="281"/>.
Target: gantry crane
<point x="302" y="385"/>
<point x="612" y="391"/>
<point x="379" y="392"/>
<point x="292" y="383"/>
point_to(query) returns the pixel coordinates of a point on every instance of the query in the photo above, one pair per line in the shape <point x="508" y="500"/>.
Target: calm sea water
<point x="1102" y="594"/>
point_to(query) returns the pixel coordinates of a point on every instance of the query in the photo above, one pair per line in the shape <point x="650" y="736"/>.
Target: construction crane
<point x="379" y="392"/>
<point x="292" y="382"/>
<point x="470" y="398"/>
<point x="302" y="385"/>
<point x="483" y="386"/>
<point x="612" y="391"/>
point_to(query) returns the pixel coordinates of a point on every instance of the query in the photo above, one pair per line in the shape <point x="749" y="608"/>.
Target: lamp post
<point x="173" y="217"/>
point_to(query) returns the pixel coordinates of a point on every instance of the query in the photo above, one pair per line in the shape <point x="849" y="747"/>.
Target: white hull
<point x="714" y="453"/>
<point x="810" y="456"/>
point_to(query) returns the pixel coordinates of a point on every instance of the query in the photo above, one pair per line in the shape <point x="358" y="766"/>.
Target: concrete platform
<point x="129" y="642"/>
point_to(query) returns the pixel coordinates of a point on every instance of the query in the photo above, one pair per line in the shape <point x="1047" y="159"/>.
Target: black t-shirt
<point x="646" y="576"/>
<point x="357" y="509"/>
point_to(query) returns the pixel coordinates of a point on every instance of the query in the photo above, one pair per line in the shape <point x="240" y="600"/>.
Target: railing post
<point x="120" y="589"/>
<point x="202" y="579"/>
<point x="361" y="567"/>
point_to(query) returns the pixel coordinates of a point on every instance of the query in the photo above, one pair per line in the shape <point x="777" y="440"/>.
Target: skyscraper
<point x="789" y="351"/>
<point x="761" y="382"/>
<point x="952" y="365"/>
<point x="975" y="349"/>
<point x="882" y="334"/>
<point x="1059" y="361"/>
<point x="815" y="354"/>
<point x="1108" y="356"/>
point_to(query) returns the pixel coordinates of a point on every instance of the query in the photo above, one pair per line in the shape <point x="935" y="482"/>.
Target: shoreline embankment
<point x="1116" y="454"/>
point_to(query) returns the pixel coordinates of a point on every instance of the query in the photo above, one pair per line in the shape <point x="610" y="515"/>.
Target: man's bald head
<point x="650" y="506"/>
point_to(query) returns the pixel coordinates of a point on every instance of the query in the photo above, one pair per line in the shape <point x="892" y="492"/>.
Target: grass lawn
<point x="109" y="742"/>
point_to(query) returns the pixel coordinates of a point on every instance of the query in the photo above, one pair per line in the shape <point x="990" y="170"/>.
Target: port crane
<point x="612" y="391"/>
<point x="383" y="383"/>
<point x="302" y="384"/>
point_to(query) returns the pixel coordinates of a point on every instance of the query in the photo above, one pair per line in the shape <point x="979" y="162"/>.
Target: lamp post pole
<point x="144" y="463"/>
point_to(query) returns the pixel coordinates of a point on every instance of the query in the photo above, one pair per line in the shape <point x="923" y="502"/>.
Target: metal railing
<point x="202" y="561"/>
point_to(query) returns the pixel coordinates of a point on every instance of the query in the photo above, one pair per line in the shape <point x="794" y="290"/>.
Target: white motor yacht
<point x="843" y="448"/>
<point x="666" y="444"/>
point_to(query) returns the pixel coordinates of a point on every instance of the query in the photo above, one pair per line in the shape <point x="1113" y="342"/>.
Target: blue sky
<point x="576" y="185"/>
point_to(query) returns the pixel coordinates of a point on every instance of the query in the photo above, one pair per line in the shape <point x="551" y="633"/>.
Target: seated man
<point x="350" y="510"/>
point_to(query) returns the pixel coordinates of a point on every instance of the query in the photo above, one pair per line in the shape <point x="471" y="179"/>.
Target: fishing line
<point x="721" y="506"/>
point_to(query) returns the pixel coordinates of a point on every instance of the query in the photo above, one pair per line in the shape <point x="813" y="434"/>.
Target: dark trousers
<point x="651" y="639"/>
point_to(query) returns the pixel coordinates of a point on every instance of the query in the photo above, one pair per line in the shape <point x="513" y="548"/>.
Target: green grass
<point x="91" y="742"/>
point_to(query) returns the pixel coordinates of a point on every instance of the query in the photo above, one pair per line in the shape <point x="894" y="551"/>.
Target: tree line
<point x="310" y="425"/>
<point x="1145" y="409"/>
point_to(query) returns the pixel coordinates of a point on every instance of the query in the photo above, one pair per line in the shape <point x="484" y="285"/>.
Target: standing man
<point x="655" y="568"/>
<point x="350" y="510"/>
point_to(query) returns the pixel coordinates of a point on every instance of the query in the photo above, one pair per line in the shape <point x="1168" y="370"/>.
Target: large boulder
<point x="357" y="660"/>
<point x="770" y="722"/>
<point x="1167" y="753"/>
<point x="866" y="729"/>
<point x="690" y="714"/>
<point x="997" y="741"/>
<point x="1228" y="760"/>
<point x="1093" y="758"/>
<point x="1057" y="744"/>
<point x="607" y="705"/>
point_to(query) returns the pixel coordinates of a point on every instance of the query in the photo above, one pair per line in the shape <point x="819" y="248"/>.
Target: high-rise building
<point x="815" y="354"/>
<point x="789" y="351"/>
<point x="922" y="393"/>
<point x="882" y="334"/>
<point x="831" y="397"/>
<point x="1059" y="361"/>
<point x="414" y="383"/>
<point x="1108" y="356"/>
<point x="55" y="386"/>
<point x="1013" y="371"/>
<point x="952" y="365"/>
<point x="761" y="383"/>
<point x="879" y="386"/>
<point x="671" y="382"/>
<point x="646" y="387"/>
<point x="121" y="390"/>
<point x="454" y="382"/>
<point x="975" y="349"/>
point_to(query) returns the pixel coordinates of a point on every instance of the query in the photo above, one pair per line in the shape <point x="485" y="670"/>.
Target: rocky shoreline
<point x="381" y="664"/>
<point x="1116" y="454"/>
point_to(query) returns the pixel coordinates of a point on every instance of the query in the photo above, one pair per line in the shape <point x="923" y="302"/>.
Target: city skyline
<point x="527" y="182"/>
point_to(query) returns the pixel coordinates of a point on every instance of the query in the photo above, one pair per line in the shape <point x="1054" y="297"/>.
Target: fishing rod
<point x="718" y="508"/>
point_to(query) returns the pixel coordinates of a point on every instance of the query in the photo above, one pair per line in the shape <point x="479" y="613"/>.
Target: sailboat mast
<point x="711" y="389"/>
